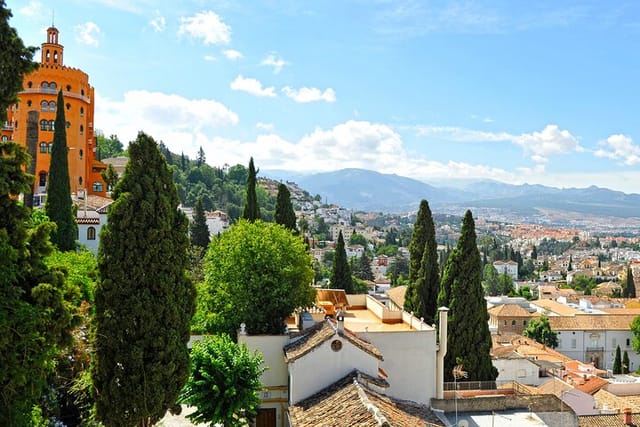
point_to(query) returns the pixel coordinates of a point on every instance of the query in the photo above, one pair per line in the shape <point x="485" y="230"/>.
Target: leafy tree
<point x="525" y="292"/>
<point x="398" y="270"/>
<point x="625" y="361"/>
<point x="584" y="283"/>
<point x="490" y="280"/>
<point x="540" y="330"/>
<point x="109" y="147"/>
<point x="144" y="301"/>
<point x="635" y="330"/>
<point x="16" y="60"/>
<point x="358" y="239"/>
<point x="35" y="317"/>
<point x="198" y="228"/>
<point x="110" y="177"/>
<point x="506" y="284"/>
<point x="224" y="382"/>
<point x="534" y="252"/>
<point x="388" y="250"/>
<point x="362" y="268"/>
<point x="341" y="273"/>
<point x="469" y="340"/>
<point x="251" y="209"/>
<point x="284" y="209"/>
<point x="256" y="273"/>
<point x="629" y="287"/>
<point x="200" y="158"/>
<point x="59" y="206"/>
<point x="617" y="362"/>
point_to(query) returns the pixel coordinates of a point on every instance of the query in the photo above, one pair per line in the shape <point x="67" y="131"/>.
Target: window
<point x="524" y="323"/>
<point x="614" y="342"/>
<point x="42" y="179"/>
<point x="52" y="125"/>
<point x="50" y="146"/>
<point x="52" y="106"/>
<point x="574" y="343"/>
<point x="82" y="92"/>
<point x="513" y="323"/>
<point x="505" y="323"/>
<point x="44" y="106"/>
<point x="80" y="181"/>
<point x="91" y="233"/>
<point x="68" y="88"/>
<point x="4" y="138"/>
<point x="43" y="147"/>
<point x="81" y="129"/>
<point x="44" y="125"/>
<point x="81" y="111"/>
<point x="68" y="106"/>
<point x="81" y="153"/>
<point x="53" y="85"/>
<point x="29" y="103"/>
<point x="45" y="85"/>
<point x="628" y="343"/>
<point x="97" y="187"/>
<point x="30" y="85"/>
<point x="68" y="124"/>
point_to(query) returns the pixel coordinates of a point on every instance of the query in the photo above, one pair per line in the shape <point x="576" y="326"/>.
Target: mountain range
<point x="366" y="190"/>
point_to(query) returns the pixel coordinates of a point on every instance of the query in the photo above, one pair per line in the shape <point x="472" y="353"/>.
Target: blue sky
<point x="517" y="91"/>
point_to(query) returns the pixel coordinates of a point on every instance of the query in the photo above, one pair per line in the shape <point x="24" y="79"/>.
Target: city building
<point x="37" y="105"/>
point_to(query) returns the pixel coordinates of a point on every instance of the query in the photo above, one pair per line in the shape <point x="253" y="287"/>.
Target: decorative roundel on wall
<point x="336" y="345"/>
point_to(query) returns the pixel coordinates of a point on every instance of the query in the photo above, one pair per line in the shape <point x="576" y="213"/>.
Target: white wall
<point x="517" y="369"/>
<point x="323" y="366"/>
<point x="410" y="362"/>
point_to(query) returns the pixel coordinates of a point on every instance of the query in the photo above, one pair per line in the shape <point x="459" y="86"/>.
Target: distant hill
<point x="367" y="190"/>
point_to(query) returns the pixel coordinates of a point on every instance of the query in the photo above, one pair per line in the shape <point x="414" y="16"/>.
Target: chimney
<point x="340" y="319"/>
<point x="442" y="352"/>
<point x="627" y="417"/>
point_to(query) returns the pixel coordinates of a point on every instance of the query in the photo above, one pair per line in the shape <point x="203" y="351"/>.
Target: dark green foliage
<point x="59" y="206"/>
<point x="110" y="177"/>
<point x="257" y="273"/>
<point x="398" y="270"/>
<point x="469" y="339"/>
<point x="358" y="239"/>
<point x="506" y="284"/>
<point x="224" y="382"/>
<point x="199" y="229"/>
<point x="617" y="362"/>
<point x="144" y="301"/>
<point x="362" y="268"/>
<point x="635" y="330"/>
<point x="109" y="147"/>
<point x="490" y="280"/>
<point x="16" y="60"/>
<point x="341" y="273"/>
<point x="629" y="287"/>
<point x="251" y="210"/>
<point x="284" y="209"/>
<point x="423" y="233"/>
<point x="201" y="159"/>
<point x="625" y="361"/>
<point x="540" y="330"/>
<point x="427" y="283"/>
<point x="35" y="314"/>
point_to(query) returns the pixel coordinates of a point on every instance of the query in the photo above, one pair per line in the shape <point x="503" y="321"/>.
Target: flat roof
<point x="358" y="320"/>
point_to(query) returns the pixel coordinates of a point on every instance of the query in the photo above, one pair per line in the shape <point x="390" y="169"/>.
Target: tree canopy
<point x="198" y="228"/>
<point x="427" y="282"/>
<point x="144" y="300"/>
<point x="224" y="382"/>
<point x="285" y="214"/>
<point x="251" y="210"/>
<point x="629" y="286"/>
<point x="341" y="272"/>
<point x="59" y="206"/>
<point x="255" y="273"/>
<point x="540" y="330"/>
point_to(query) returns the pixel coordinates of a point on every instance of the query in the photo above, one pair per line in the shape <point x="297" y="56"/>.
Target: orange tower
<point x="39" y="95"/>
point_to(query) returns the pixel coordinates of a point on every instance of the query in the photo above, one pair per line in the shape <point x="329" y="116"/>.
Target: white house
<point x="90" y="220"/>
<point x="507" y="267"/>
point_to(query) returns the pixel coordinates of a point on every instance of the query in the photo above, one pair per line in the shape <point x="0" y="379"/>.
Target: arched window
<point x="43" y="147"/>
<point x="68" y="124"/>
<point x="68" y="106"/>
<point x="97" y="187"/>
<point x="82" y="92"/>
<point x="52" y="106"/>
<point x="80" y="181"/>
<point x="55" y="56"/>
<point x="50" y="147"/>
<point x="81" y="111"/>
<point x="53" y="85"/>
<point x="52" y="125"/>
<point x="44" y="106"/>
<point x="91" y="233"/>
<point x="4" y="138"/>
<point x="48" y="55"/>
<point x="81" y="129"/>
<point x="30" y="85"/>
<point x="68" y="88"/>
<point x="81" y="153"/>
<point x="29" y="103"/>
<point x="42" y="179"/>
<point x="44" y="85"/>
<point x="44" y="125"/>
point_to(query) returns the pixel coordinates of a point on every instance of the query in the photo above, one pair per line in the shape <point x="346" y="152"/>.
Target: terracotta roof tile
<point x="511" y="310"/>
<point x="313" y="337"/>
<point x="349" y="402"/>
<point x="591" y="322"/>
<point x="609" y="420"/>
<point x="617" y="402"/>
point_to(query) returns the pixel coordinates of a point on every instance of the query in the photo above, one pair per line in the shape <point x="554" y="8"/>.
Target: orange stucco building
<point x="39" y="94"/>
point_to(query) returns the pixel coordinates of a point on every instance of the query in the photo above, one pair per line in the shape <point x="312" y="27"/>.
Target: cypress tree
<point x="617" y="362"/>
<point x="428" y="281"/>
<point x="144" y="301"/>
<point x="362" y="268"/>
<point x="251" y="209"/>
<point x="419" y="237"/>
<point x="198" y="228"/>
<point x="341" y="273"/>
<point x="629" y="288"/>
<point x="59" y="206"/>
<point x="469" y="339"/>
<point x="284" y="209"/>
<point x="625" y="362"/>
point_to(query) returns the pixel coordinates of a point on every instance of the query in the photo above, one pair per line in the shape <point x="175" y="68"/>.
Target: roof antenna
<point x="53" y="16"/>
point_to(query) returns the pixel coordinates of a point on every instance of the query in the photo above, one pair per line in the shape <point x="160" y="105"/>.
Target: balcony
<point x="50" y="91"/>
<point x="594" y="349"/>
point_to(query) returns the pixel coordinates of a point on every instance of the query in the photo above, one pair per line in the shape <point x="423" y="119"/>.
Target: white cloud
<point x="273" y="61"/>
<point x="265" y="126"/>
<point x="158" y="23"/>
<point x="620" y="147"/>
<point x="488" y="120"/>
<point x="168" y="117"/>
<point x="537" y="145"/>
<point x="309" y="94"/>
<point x="206" y="26"/>
<point x="33" y="8"/>
<point x="209" y="58"/>
<point x="253" y="87"/>
<point x="232" y="54"/>
<point x="88" y="33"/>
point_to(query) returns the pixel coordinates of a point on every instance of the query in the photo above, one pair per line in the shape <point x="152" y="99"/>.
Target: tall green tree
<point x="341" y="272"/>
<point x="490" y="280"/>
<point x="635" y="330"/>
<point x="617" y="362"/>
<point x="200" y="158"/>
<point x="16" y="60"/>
<point x="629" y="287"/>
<point x="416" y="252"/>
<point x="469" y="339"/>
<point x="251" y="209"/>
<point x="362" y="268"/>
<point x="110" y="177"/>
<point x="35" y="316"/>
<point x="144" y="301"/>
<point x="256" y="273"/>
<point x="224" y="383"/>
<point x="109" y="147"/>
<point x="59" y="206"/>
<point x="284" y="209"/>
<point x="198" y="228"/>
<point x="625" y="361"/>
<point x="540" y="330"/>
